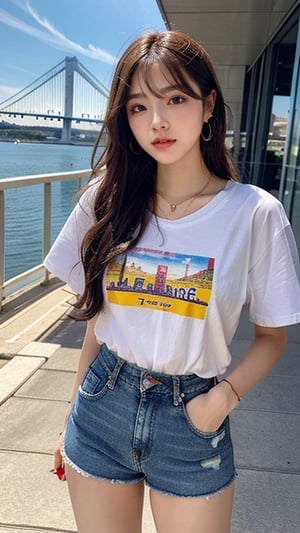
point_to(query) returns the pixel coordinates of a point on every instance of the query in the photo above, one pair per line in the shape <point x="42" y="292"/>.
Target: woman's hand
<point x="208" y="411"/>
<point x="58" y="459"/>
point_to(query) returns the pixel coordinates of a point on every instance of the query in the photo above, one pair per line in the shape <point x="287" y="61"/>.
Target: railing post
<point x="2" y="245"/>
<point x="79" y="184"/>
<point x="47" y="224"/>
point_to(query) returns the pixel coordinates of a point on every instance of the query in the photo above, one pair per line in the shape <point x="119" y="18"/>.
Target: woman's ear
<point x="209" y="105"/>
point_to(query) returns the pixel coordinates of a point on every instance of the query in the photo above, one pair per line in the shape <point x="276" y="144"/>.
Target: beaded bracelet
<point x="233" y="389"/>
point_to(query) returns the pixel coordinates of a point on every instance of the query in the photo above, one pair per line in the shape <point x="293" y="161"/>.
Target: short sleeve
<point x="64" y="257"/>
<point x="274" y="276"/>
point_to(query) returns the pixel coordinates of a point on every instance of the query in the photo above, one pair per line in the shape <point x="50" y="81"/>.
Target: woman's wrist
<point x="229" y="397"/>
<point x="67" y="413"/>
<point x="235" y="392"/>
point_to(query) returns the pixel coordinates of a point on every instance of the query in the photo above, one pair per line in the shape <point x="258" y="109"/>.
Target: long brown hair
<point x="120" y="208"/>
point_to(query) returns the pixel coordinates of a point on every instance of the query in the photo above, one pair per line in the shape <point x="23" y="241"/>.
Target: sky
<point x="36" y="35"/>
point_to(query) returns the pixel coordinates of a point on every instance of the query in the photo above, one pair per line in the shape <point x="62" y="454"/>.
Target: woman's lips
<point x="163" y="143"/>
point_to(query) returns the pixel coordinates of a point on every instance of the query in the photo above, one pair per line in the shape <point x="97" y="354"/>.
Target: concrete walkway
<point x="34" y="388"/>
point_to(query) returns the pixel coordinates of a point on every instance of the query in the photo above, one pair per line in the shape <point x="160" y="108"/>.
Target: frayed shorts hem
<point x="83" y="473"/>
<point x="149" y="485"/>
<point x="205" y="495"/>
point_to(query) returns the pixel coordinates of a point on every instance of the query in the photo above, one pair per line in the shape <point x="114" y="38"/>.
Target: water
<point x="24" y="206"/>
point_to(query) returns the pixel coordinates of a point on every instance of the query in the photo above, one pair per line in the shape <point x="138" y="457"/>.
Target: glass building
<point x="271" y="118"/>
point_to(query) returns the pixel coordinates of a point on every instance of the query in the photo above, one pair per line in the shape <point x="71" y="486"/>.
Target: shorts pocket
<point x="95" y="382"/>
<point x="198" y="431"/>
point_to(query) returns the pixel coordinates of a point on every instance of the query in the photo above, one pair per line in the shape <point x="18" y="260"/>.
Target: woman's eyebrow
<point x="162" y="91"/>
<point x="132" y="96"/>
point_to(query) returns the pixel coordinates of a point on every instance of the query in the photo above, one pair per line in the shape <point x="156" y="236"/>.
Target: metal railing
<point x="24" y="181"/>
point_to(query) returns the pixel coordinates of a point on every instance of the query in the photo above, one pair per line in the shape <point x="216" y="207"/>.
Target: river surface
<point x="24" y="206"/>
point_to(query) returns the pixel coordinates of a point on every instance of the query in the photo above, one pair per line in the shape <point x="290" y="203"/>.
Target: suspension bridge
<point x="67" y="92"/>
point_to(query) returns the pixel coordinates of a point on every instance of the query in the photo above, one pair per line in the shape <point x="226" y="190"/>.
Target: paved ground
<point x="35" y="386"/>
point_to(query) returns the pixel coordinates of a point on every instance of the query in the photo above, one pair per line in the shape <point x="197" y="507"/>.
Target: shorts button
<point x="150" y="380"/>
<point x="147" y="383"/>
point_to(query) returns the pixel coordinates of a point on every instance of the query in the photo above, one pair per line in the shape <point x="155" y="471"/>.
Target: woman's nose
<point x="159" y="120"/>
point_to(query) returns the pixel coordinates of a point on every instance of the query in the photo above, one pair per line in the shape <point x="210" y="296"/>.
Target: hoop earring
<point x="208" y="137"/>
<point x="132" y="148"/>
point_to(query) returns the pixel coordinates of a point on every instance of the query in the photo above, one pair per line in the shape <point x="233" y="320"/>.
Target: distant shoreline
<point x="45" y="135"/>
<point x="58" y="142"/>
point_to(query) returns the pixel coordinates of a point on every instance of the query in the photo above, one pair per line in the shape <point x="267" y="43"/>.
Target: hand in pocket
<point x="207" y="411"/>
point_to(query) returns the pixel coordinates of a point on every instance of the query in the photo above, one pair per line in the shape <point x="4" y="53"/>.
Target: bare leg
<point x="103" y="506"/>
<point x="192" y="515"/>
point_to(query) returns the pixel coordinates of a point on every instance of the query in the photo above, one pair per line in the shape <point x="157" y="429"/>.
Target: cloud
<point x="6" y="91"/>
<point x="51" y="36"/>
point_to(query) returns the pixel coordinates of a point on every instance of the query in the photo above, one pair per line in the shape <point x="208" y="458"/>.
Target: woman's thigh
<point x="210" y="514"/>
<point x="100" y="505"/>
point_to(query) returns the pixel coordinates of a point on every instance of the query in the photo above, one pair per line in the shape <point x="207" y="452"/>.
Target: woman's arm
<point x="258" y="360"/>
<point x="89" y="351"/>
<point x="208" y="411"/>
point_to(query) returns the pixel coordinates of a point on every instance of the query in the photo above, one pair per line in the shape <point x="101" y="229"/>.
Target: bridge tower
<point x="67" y="92"/>
<point x="70" y="68"/>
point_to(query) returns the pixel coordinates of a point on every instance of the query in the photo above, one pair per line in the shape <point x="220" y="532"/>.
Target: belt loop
<point x="143" y="374"/>
<point x="114" y="375"/>
<point x="176" y="391"/>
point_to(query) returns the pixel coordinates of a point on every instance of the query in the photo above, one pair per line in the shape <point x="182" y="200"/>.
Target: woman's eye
<point x="176" y="100"/>
<point x="138" y="108"/>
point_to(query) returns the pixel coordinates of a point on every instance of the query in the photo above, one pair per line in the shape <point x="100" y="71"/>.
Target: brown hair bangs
<point x="171" y="70"/>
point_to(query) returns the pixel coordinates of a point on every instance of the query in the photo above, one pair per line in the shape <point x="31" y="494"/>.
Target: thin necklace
<point x="173" y="207"/>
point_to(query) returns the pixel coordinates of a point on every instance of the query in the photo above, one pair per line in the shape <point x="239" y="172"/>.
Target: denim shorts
<point x="129" y="424"/>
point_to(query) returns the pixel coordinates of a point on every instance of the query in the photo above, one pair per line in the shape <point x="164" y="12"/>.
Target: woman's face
<point x="168" y="126"/>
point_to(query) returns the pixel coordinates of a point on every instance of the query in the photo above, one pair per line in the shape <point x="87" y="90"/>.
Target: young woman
<point x="165" y="247"/>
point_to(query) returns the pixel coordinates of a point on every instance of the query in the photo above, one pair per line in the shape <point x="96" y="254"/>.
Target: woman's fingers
<point x="59" y="467"/>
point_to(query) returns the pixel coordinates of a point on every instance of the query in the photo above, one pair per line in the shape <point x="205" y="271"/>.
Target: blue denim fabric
<point x="129" y="424"/>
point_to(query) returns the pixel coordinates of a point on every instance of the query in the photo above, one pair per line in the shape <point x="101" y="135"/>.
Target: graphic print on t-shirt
<point x="166" y="281"/>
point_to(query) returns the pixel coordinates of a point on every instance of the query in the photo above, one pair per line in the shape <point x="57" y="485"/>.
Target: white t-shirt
<point x="178" y="304"/>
